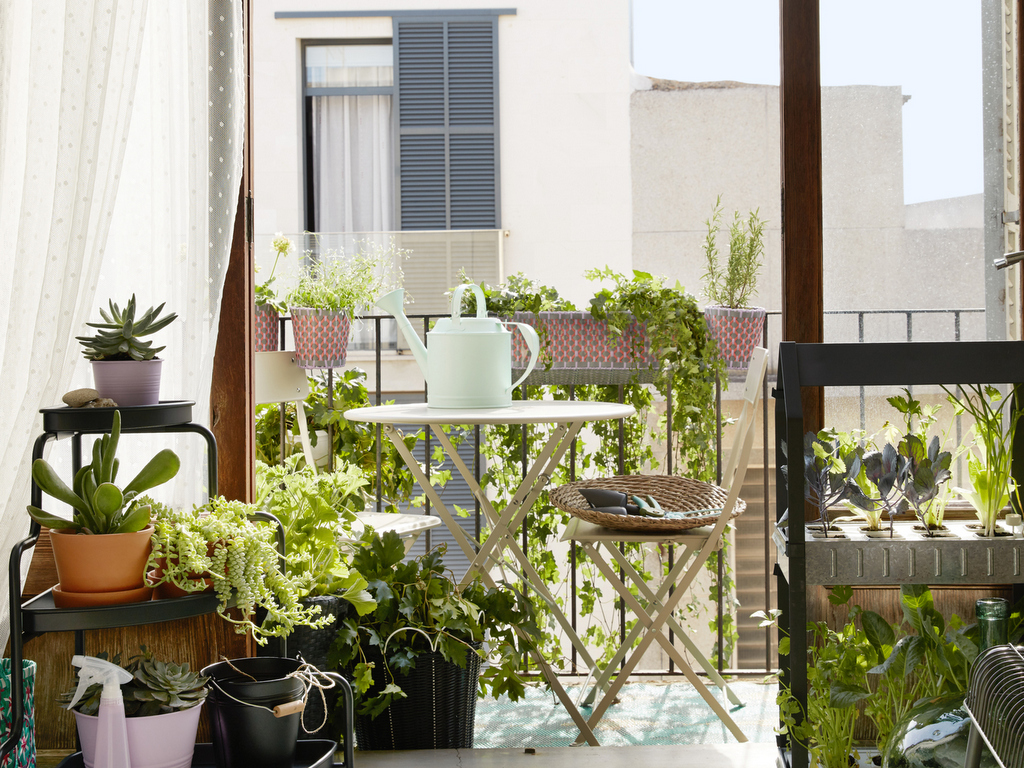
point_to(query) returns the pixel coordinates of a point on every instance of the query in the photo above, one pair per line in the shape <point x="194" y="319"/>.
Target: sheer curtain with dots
<point x="121" y="125"/>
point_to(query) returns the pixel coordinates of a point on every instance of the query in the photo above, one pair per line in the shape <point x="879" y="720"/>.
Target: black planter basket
<point x="439" y="710"/>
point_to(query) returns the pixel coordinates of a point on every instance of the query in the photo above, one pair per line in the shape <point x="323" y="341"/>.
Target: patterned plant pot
<point x="571" y="340"/>
<point x="267" y="327"/>
<point x="737" y="332"/>
<point x="24" y="753"/>
<point x="321" y="337"/>
<point x="128" y="382"/>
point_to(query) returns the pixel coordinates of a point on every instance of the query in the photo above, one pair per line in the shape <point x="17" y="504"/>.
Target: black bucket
<point x="245" y="732"/>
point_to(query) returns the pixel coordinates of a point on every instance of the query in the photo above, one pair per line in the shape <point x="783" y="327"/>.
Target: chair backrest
<point x="743" y="440"/>
<point x="280" y="380"/>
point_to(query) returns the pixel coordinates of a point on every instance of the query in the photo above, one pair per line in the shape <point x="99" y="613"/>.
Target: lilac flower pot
<point x="157" y="741"/>
<point x="128" y="382"/>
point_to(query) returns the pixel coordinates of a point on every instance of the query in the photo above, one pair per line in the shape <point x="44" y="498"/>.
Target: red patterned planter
<point x="321" y="337"/>
<point x="737" y="332"/>
<point x="576" y="340"/>
<point x="267" y="327"/>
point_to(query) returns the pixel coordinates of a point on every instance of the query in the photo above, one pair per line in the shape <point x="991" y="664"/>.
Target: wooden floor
<point x="702" y="756"/>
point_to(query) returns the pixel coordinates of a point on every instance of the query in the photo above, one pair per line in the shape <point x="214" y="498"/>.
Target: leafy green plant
<point x="100" y="506"/>
<point x="925" y="470"/>
<point x="219" y="541"/>
<point x="354" y="443"/>
<point x="882" y="469"/>
<point x="419" y="608"/>
<point x="120" y="333"/>
<point x="157" y="687"/>
<point x="315" y="509"/>
<point x="830" y="475"/>
<point x="265" y="294"/>
<point x="989" y="460"/>
<point x="349" y="284"/>
<point x="733" y="284"/>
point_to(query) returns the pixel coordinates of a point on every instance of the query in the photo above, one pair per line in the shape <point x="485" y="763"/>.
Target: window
<point x="403" y="134"/>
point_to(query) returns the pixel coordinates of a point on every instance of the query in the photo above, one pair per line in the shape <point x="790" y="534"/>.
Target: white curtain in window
<point x="120" y="162"/>
<point x="353" y="169"/>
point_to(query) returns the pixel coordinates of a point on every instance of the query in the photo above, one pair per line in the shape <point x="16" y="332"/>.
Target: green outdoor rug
<point x="646" y="714"/>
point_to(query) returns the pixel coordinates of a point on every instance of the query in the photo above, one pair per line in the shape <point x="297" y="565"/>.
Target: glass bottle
<point x="934" y="733"/>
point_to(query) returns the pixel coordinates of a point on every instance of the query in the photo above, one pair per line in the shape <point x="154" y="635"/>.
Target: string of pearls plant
<point x="219" y="542"/>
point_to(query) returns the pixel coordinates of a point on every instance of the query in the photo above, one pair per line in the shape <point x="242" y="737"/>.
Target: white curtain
<point x="121" y="138"/>
<point x="353" y="169"/>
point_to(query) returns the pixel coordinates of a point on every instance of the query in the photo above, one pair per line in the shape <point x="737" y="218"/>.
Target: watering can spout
<point x="393" y="303"/>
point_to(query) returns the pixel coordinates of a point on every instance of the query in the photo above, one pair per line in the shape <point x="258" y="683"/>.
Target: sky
<point x="932" y="48"/>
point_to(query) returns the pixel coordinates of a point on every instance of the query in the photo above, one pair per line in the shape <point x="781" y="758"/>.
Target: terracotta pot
<point x="168" y="590"/>
<point x="112" y="562"/>
<point x="128" y="382"/>
<point x="321" y="337"/>
<point x="267" y="328"/>
<point x="737" y="332"/>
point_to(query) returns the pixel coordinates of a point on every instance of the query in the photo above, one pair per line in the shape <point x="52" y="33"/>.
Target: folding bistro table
<point x="568" y="417"/>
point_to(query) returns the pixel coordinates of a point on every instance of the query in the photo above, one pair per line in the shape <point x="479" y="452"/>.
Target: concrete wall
<point x="693" y="141"/>
<point x="564" y="86"/>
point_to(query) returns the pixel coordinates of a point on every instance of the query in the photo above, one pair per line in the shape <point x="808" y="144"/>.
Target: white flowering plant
<point x="265" y="294"/>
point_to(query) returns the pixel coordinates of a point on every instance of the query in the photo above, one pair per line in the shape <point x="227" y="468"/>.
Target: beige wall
<point x="564" y="119"/>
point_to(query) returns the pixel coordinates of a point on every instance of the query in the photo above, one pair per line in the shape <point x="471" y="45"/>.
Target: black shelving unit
<point x="852" y="365"/>
<point x="39" y="615"/>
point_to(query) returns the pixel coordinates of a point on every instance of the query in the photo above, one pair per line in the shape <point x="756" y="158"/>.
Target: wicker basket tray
<point x="674" y="494"/>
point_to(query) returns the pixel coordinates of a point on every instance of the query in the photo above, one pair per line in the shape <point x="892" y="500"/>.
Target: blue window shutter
<point x="446" y="77"/>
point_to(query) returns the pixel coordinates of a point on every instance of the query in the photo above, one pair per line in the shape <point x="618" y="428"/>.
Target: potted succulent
<point x="162" y="704"/>
<point x="415" y="659"/>
<point x="218" y="544"/>
<point x="330" y="292"/>
<point x="125" y="367"/>
<point x="735" y="325"/>
<point x="100" y="553"/>
<point x="268" y="306"/>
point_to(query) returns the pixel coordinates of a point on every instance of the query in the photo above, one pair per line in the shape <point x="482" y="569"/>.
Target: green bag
<point x="24" y="754"/>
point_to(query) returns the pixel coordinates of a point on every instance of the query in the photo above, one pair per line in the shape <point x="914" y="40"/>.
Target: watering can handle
<point x="481" y="302"/>
<point x="533" y="343"/>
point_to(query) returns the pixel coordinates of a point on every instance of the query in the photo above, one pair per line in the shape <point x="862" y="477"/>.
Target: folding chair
<point x="697" y="544"/>
<point x="280" y="380"/>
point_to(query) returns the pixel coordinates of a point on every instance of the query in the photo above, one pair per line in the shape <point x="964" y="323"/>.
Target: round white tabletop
<point x="520" y="412"/>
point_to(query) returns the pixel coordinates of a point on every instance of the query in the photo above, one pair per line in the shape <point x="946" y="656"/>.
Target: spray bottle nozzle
<point x="94" y="670"/>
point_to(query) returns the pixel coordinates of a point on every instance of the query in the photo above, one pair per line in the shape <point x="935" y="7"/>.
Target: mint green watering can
<point x="469" y="363"/>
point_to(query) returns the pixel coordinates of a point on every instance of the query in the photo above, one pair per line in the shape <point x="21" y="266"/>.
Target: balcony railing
<point x="870" y="326"/>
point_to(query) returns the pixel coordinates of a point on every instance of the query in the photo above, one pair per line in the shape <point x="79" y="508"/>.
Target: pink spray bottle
<point x="111" y="750"/>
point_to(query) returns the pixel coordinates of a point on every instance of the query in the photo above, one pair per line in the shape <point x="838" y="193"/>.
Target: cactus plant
<point x="100" y="505"/>
<point x="119" y="336"/>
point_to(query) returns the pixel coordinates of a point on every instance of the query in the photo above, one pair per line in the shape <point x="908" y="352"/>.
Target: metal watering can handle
<point x="481" y="302"/>
<point x="533" y="343"/>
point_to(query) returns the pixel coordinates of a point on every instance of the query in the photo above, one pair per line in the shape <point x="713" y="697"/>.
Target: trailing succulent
<point x="120" y="333"/>
<point x="100" y="505"/>
<point x="157" y="687"/>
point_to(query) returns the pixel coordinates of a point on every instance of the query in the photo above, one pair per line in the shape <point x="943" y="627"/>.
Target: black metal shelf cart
<point x="862" y="365"/>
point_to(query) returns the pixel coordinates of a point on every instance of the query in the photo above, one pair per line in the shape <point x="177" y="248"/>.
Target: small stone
<point x="76" y="398"/>
<point x="101" y="402"/>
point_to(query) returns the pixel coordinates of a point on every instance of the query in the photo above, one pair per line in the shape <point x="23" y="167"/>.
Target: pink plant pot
<point x="267" y="326"/>
<point x="128" y="382"/>
<point x="321" y="337"/>
<point x="737" y="332"/>
<point x="157" y="741"/>
<point x="578" y="340"/>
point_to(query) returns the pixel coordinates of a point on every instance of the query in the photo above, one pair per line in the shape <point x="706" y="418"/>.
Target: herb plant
<point x="830" y="475"/>
<point x="265" y="294"/>
<point x="923" y="475"/>
<point x="989" y="458"/>
<point x="120" y="334"/>
<point x="315" y="510"/>
<point x="349" y="284"/>
<point x="418" y="609"/>
<point x="100" y="505"/>
<point x="734" y="283"/>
